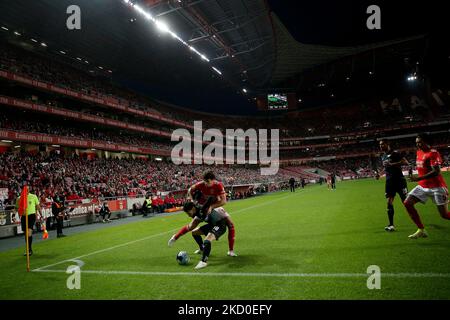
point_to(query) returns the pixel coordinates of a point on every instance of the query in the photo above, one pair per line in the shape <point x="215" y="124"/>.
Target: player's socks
<point x="390" y="212"/>
<point x="206" y="250"/>
<point x="231" y="236"/>
<point x="199" y="241"/>
<point x="231" y="233"/>
<point x="182" y="231"/>
<point x="448" y="216"/>
<point x="414" y="215"/>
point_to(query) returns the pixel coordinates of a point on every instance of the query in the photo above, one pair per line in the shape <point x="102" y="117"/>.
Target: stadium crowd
<point x="67" y="128"/>
<point x="44" y="69"/>
<point x="73" y="177"/>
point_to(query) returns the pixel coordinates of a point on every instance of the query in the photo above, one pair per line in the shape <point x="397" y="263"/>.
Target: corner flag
<point x="23" y="203"/>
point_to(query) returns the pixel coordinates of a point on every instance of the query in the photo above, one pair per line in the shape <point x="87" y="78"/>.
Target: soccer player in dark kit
<point x="395" y="181"/>
<point x="217" y="221"/>
<point x="212" y="191"/>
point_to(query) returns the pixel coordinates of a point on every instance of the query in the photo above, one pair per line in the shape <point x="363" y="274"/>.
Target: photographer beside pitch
<point x="58" y="215"/>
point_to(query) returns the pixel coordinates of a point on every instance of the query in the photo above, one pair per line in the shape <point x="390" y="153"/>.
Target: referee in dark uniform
<point x="395" y="181"/>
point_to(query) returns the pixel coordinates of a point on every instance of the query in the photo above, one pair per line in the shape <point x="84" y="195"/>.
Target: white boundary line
<point x="103" y="250"/>
<point x="157" y="235"/>
<point x="256" y="274"/>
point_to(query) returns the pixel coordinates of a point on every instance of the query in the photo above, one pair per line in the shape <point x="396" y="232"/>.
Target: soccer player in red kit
<point x="431" y="185"/>
<point x="200" y="192"/>
<point x="208" y="187"/>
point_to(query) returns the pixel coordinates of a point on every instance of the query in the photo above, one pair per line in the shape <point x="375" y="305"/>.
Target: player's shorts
<point x="438" y="195"/>
<point x="217" y="230"/>
<point x="394" y="186"/>
<point x="31" y="222"/>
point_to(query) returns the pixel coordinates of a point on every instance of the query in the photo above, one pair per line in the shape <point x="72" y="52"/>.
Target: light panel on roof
<point x="166" y="29"/>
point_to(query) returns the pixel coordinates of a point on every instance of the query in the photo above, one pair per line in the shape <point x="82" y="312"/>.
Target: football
<point x="183" y="258"/>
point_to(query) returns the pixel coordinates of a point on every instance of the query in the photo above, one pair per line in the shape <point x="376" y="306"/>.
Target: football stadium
<point x="223" y="150"/>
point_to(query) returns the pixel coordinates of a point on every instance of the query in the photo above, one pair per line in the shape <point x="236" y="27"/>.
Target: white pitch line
<point x="106" y="249"/>
<point x="150" y="237"/>
<point x="257" y="274"/>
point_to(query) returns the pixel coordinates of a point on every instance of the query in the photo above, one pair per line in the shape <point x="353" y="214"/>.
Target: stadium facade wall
<point x="32" y="137"/>
<point x="24" y="104"/>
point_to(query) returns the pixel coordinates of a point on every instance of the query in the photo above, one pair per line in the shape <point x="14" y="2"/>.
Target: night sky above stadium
<point x="343" y="23"/>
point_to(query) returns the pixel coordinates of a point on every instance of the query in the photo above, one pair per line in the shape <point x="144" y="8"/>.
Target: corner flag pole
<point x="23" y="203"/>
<point x="26" y="239"/>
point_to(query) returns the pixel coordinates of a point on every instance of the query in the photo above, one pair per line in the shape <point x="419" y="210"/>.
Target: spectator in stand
<point x="155" y="204"/>
<point x="160" y="202"/>
<point x="180" y="202"/>
<point x="73" y="197"/>
<point x="172" y="201"/>
<point x="166" y="202"/>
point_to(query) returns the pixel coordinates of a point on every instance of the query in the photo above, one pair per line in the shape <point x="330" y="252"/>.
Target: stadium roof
<point x="243" y="39"/>
<point x="235" y="35"/>
<point x="294" y="57"/>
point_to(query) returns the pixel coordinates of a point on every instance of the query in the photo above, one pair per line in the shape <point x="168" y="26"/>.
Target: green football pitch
<point x="311" y="244"/>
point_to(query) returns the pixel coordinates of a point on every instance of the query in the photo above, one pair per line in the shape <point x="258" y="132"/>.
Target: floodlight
<point x="162" y="26"/>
